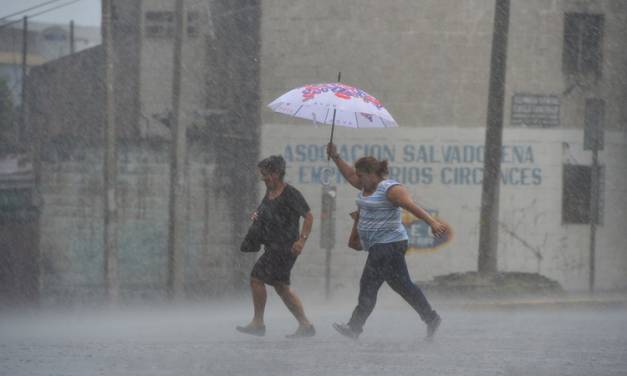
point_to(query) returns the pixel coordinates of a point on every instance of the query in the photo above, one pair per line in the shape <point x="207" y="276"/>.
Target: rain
<point x="187" y="187"/>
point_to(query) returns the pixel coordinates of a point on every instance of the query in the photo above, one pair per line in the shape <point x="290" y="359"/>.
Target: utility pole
<point x="178" y="151"/>
<point x="72" y="48"/>
<point x="594" y="141"/>
<point x="488" y="230"/>
<point x="27" y="140"/>
<point x="21" y="127"/>
<point x="110" y="163"/>
<point x="594" y="215"/>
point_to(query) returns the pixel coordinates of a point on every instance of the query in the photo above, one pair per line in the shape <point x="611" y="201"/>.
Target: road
<point x="201" y="340"/>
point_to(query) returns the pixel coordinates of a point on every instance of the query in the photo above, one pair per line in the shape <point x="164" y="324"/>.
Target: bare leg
<point x="293" y="303"/>
<point x="258" y="289"/>
<point x="256" y="326"/>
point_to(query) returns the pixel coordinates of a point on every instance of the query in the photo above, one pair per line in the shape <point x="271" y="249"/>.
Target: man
<point x="278" y="219"/>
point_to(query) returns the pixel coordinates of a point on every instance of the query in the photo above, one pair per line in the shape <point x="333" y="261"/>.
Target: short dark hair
<point x="371" y="164"/>
<point x="274" y="163"/>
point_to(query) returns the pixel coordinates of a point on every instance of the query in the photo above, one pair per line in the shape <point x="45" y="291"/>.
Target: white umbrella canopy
<point x="334" y="103"/>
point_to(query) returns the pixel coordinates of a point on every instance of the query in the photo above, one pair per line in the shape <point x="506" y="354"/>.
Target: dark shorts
<point x="275" y="265"/>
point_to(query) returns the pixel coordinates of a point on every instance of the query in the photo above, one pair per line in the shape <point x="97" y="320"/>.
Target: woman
<point x="384" y="237"/>
<point x="278" y="218"/>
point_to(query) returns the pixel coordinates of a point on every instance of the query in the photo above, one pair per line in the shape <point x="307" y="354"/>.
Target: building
<point x="428" y="61"/>
<point x="65" y="113"/>
<point x="45" y="42"/>
<point x="19" y="208"/>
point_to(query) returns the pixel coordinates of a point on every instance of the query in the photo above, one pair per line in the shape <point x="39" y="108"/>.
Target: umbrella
<point x="334" y="103"/>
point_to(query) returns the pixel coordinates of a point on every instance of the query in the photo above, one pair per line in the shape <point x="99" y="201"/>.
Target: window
<point x="55" y="34"/>
<point x="193" y="21"/>
<point x="583" y="36"/>
<point x="14" y="199"/>
<point x="576" y="194"/>
<point x="161" y="24"/>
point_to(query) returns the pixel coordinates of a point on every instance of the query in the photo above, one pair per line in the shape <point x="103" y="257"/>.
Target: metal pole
<point x="34" y="124"/>
<point x="488" y="231"/>
<point x="176" y="240"/>
<point x="594" y="213"/>
<point x="327" y="274"/>
<point x="19" y="129"/>
<point x="594" y="140"/>
<point x="72" y="37"/>
<point x="110" y="163"/>
<point x="339" y="78"/>
<point x="28" y="136"/>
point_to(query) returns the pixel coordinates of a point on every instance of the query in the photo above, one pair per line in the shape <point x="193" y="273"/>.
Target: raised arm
<point x="345" y="169"/>
<point x="399" y="195"/>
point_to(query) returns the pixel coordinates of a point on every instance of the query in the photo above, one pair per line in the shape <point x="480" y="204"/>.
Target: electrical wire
<point x="27" y="9"/>
<point x="40" y="13"/>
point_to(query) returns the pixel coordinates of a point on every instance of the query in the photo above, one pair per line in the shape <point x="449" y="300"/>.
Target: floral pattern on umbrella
<point x="334" y="103"/>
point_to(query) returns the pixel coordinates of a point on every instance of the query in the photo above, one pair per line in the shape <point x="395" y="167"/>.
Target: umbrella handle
<point x="332" y="126"/>
<point x="339" y="78"/>
<point x="332" y="129"/>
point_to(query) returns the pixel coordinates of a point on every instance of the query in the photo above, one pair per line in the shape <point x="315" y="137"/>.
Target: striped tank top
<point x="379" y="219"/>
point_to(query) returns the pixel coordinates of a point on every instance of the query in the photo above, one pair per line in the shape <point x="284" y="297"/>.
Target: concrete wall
<point x="413" y="55"/>
<point x="535" y="59"/>
<point x="155" y="71"/>
<point x="65" y="98"/>
<point x="428" y="60"/>
<point x="222" y="154"/>
<point x="71" y="226"/>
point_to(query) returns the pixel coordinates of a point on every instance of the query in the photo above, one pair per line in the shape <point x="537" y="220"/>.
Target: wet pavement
<point x="201" y="340"/>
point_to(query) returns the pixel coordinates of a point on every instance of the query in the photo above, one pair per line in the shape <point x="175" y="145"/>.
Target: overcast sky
<point x="83" y="12"/>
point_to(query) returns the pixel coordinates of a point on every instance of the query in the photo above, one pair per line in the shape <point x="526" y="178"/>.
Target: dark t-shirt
<point x="280" y="216"/>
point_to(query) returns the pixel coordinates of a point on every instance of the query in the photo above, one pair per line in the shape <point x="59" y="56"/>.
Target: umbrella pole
<point x="332" y="127"/>
<point x="339" y="78"/>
